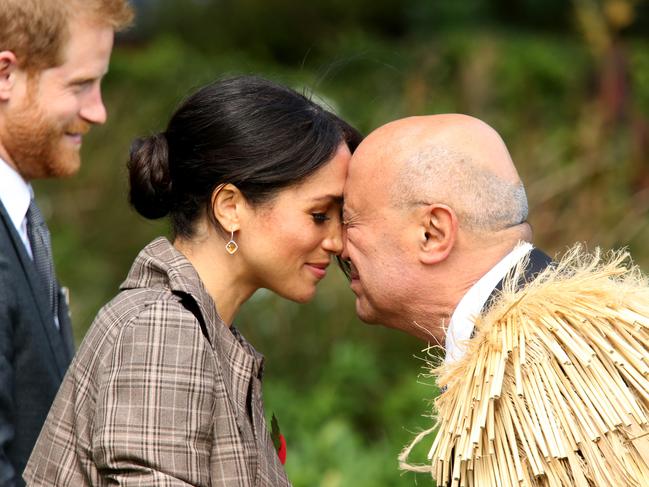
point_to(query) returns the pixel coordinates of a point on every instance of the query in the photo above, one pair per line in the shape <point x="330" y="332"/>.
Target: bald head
<point x="452" y="159"/>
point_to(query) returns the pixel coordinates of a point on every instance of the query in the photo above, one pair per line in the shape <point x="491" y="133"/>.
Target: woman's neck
<point x="222" y="274"/>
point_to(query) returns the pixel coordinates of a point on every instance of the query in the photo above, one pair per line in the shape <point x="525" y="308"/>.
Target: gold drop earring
<point x="231" y="247"/>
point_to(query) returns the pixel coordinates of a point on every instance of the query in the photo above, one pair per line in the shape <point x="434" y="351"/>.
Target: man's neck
<point x="431" y="312"/>
<point x="478" y="254"/>
<point x="462" y="323"/>
<point x="231" y="286"/>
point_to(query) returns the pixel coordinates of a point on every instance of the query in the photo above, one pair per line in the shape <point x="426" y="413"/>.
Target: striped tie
<point x="39" y="238"/>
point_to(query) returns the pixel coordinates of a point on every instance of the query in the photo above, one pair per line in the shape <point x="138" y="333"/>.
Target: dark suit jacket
<point x="538" y="261"/>
<point x="34" y="355"/>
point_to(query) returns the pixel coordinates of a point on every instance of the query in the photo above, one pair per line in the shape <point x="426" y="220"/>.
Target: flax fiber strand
<point x="554" y="387"/>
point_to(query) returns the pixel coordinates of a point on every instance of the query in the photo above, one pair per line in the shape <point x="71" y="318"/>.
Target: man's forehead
<point x="378" y="161"/>
<point x="362" y="176"/>
<point x="375" y="162"/>
<point x="365" y="193"/>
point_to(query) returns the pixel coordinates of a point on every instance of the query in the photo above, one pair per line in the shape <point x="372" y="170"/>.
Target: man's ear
<point x="8" y="67"/>
<point x="438" y="233"/>
<point x="227" y="206"/>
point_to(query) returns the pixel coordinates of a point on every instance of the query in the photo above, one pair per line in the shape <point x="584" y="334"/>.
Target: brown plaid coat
<point x="161" y="393"/>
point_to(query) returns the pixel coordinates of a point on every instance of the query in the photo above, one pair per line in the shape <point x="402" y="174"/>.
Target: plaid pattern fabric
<point x="150" y="400"/>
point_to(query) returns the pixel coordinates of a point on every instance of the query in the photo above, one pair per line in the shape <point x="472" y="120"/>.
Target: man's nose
<point x="93" y="109"/>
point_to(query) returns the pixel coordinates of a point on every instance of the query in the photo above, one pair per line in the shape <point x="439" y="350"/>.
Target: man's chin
<point x="60" y="163"/>
<point x="365" y="313"/>
<point x="66" y="165"/>
<point x="67" y="171"/>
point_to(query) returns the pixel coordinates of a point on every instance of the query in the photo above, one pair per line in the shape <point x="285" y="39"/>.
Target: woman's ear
<point x="438" y="233"/>
<point x="8" y="66"/>
<point x="227" y="206"/>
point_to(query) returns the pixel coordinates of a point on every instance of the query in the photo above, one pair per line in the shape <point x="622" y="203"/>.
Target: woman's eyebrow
<point x="335" y="198"/>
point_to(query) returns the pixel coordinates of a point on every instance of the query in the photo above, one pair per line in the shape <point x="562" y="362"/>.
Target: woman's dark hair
<point x="247" y="131"/>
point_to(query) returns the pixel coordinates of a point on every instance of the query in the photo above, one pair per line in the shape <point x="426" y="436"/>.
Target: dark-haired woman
<point x="164" y="390"/>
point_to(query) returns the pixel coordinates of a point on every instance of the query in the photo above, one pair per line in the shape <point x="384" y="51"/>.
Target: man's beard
<point x="37" y="145"/>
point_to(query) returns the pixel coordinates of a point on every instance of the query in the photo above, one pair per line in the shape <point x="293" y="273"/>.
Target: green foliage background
<point x="566" y="84"/>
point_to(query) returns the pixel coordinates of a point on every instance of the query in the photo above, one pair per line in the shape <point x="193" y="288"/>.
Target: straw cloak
<point x="554" y="387"/>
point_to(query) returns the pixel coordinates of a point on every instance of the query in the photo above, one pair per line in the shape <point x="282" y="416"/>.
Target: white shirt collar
<point x="16" y="195"/>
<point x="462" y="322"/>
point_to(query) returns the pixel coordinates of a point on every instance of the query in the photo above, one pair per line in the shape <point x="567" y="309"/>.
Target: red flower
<point x="278" y="440"/>
<point x="282" y="449"/>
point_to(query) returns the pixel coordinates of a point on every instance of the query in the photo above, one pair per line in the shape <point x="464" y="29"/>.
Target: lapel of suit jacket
<point x="59" y="349"/>
<point x="538" y="261"/>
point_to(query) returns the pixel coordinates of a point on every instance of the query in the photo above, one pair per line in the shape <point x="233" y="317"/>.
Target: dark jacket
<point x="34" y="354"/>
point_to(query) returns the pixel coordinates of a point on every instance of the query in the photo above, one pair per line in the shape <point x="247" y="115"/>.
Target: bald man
<point x="438" y="246"/>
<point x="466" y="206"/>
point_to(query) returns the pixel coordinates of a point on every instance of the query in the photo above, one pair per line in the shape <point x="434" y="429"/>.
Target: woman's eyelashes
<point x="325" y="214"/>
<point x="320" y="217"/>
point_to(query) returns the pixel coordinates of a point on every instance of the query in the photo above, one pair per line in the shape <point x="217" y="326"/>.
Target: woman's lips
<point x="318" y="269"/>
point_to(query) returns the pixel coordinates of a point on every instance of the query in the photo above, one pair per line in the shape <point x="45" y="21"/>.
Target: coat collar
<point x="160" y="264"/>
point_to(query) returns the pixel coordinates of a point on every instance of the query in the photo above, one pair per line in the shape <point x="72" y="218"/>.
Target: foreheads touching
<point x="259" y="136"/>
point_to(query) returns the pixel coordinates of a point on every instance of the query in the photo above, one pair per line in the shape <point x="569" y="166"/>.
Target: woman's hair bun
<point x="149" y="177"/>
